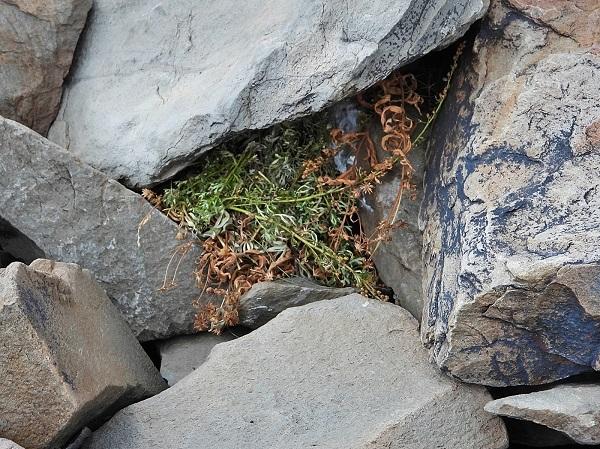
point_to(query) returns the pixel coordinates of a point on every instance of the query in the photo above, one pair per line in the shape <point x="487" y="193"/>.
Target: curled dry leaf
<point x="273" y="205"/>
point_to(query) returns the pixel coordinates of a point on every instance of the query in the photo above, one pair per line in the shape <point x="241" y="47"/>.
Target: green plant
<point x="272" y="204"/>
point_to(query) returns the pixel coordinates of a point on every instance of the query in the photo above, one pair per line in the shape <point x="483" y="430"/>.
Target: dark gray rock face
<point x="37" y="41"/>
<point x="398" y="259"/>
<point x="179" y="356"/>
<point x="572" y="409"/>
<point x="265" y="300"/>
<point x="73" y="213"/>
<point x="348" y="373"/>
<point x="512" y="206"/>
<point x="190" y="74"/>
<point x="67" y="357"/>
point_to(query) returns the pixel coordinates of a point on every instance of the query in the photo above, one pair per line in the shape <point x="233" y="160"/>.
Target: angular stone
<point x="572" y="409"/>
<point x="265" y="300"/>
<point x="7" y="444"/>
<point x="67" y="358"/>
<point x="180" y="356"/>
<point x="191" y="74"/>
<point x="346" y="373"/>
<point x="512" y="209"/>
<point x="398" y="260"/>
<point x="74" y="213"/>
<point x="37" y="41"/>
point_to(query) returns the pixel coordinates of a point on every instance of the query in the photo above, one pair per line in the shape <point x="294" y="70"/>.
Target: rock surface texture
<point x="190" y="74"/>
<point x="7" y="444"/>
<point x="180" y="356"/>
<point x="572" y="409"/>
<point x="511" y="212"/>
<point x="74" y="213"/>
<point x="66" y="358"/>
<point x="265" y="300"/>
<point x="398" y="260"/>
<point x="37" y="41"/>
<point x="347" y="373"/>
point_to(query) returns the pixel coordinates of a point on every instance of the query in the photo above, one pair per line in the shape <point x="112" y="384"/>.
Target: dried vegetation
<point x="273" y="204"/>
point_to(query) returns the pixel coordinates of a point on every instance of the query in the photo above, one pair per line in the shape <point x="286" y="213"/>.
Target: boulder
<point x="71" y="212"/>
<point x="189" y="75"/>
<point x="512" y="206"/>
<point x="37" y="39"/>
<point x="67" y="357"/>
<point x="346" y="373"/>
<point x="265" y="300"/>
<point x="572" y="409"/>
<point x="7" y="444"/>
<point x="180" y="356"/>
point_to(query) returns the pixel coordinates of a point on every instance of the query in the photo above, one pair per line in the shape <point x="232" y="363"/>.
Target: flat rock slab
<point x="265" y="300"/>
<point x="511" y="213"/>
<point x="74" y="213"/>
<point x="170" y="80"/>
<point x="67" y="358"/>
<point x="572" y="409"/>
<point x="179" y="356"/>
<point x="347" y="373"/>
<point x="37" y="41"/>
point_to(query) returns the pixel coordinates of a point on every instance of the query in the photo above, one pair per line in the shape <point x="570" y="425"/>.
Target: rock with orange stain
<point x="577" y="19"/>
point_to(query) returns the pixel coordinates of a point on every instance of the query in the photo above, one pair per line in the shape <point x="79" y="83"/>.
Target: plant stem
<point x="290" y="200"/>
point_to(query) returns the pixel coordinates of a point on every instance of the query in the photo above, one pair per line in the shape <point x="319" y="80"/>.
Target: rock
<point x="37" y="39"/>
<point x="74" y="213"/>
<point x="180" y="356"/>
<point x="67" y="357"/>
<point x="7" y="444"/>
<point x="578" y="20"/>
<point x="512" y="207"/>
<point x="191" y="74"/>
<point x="572" y="409"/>
<point x="345" y="373"/>
<point x="398" y="261"/>
<point x="265" y="300"/>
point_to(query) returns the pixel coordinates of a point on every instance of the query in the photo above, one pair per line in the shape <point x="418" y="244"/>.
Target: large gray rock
<point x="7" y="444"/>
<point x="37" y="41"/>
<point x="347" y="373"/>
<point x="265" y="300"/>
<point x="67" y="357"/>
<point x="572" y="409"/>
<point x="74" y="213"/>
<point x="189" y="74"/>
<point x="179" y="356"/>
<point x="511" y="213"/>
